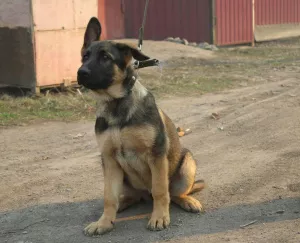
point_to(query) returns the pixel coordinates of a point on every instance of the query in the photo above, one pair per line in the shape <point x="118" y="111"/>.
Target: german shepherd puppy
<point x="140" y="148"/>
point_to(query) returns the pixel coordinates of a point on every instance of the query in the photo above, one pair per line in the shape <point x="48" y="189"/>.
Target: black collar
<point x="147" y="63"/>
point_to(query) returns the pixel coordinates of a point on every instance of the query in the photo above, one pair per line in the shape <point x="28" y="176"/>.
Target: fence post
<point x="213" y="21"/>
<point x="253" y="22"/>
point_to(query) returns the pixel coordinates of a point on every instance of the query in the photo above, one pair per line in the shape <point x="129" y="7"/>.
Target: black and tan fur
<point x="140" y="148"/>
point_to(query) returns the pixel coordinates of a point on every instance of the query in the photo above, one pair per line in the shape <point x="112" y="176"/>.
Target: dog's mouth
<point x="84" y="84"/>
<point x="89" y="86"/>
<point x="92" y="85"/>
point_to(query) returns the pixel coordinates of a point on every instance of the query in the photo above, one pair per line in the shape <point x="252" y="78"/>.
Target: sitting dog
<point x="140" y="148"/>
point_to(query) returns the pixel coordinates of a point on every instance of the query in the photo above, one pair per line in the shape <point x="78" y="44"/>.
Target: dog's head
<point x="106" y="65"/>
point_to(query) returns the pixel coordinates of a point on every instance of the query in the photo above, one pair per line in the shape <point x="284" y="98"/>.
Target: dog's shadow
<point x="64" y="222"/>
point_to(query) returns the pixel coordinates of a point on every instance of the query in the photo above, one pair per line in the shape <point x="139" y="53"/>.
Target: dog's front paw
<point x="158" y="222"/>
<point x="98" y="228"/>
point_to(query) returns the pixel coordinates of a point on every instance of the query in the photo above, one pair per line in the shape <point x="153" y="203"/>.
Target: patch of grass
<point x="66" y="107"/>
<point x="233" y="67"/>
<point x="191" y="86"/>
<point x="276" y="50"/>
<point x="196" y="78"/>
<point x="179" y="77"/>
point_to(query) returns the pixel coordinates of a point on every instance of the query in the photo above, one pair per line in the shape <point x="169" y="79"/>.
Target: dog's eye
<point x="104" y="57"/>
<point x="85" y="57"/>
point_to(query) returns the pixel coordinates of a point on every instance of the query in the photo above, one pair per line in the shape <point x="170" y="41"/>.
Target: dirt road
<point x="52" y="185"/>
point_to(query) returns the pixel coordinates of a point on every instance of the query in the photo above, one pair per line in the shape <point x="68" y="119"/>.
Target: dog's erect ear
<point x="92" y="32"/>
<point x="131" y="51"/>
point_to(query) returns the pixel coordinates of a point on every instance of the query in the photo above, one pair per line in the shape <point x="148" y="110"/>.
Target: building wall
<point x="111" y="15"/>
<point x="15" y="13"/>
<point x="16" y="44"/>
<point x="233" y="20"/>
<point x="190" y="19"/>
<point x="273" y="19"/>
<point x="276" y="19"/>
<point x="270" y="12"/>
<point x="59" y="30"/>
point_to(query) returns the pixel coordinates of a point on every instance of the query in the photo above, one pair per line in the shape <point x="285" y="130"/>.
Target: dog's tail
<point x="198" y="186"/>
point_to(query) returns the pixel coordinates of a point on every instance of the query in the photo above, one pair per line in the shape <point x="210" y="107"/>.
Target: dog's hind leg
<point x="131" y="196"/>
<point x="183" y="184"/>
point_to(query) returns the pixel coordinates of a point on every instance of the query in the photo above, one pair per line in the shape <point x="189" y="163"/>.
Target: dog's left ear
<point x="92" y="33"/>
<point x="131" y="51"/>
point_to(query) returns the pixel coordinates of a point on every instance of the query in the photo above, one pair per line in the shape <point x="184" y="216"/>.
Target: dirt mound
<point x="249" y="158"/>
<point x="164" y="50"/>
<point x="247" y="152"/>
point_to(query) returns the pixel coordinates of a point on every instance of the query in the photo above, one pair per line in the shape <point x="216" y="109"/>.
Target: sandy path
<point x="52" y="186"/>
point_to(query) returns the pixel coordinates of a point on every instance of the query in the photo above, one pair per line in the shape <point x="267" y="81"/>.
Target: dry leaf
<point x="180" y="134"/>
<point x="180" y="129"/>
<point x="215" y="116"/>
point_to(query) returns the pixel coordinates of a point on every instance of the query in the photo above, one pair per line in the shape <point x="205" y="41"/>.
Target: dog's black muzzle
<point x="83" y="75"/>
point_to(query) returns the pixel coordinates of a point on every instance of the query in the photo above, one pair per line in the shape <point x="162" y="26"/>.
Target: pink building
<point x="40" y="41"/>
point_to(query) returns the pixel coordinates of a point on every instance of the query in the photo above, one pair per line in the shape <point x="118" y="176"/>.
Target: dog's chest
<point x="132" y="160"/>
<point x="112" y="135"/>
<point x="136" y="168"/>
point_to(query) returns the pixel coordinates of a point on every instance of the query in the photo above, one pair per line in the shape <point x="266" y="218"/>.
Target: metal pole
<point x="253" y="22"/>
<point x="213" y="21"/>
<point x="141" y="30"/>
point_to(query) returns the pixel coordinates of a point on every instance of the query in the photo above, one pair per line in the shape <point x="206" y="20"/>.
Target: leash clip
<point x="140" y="47"/>
<point x="136" y="64"/>
<point x="146" y="63"/>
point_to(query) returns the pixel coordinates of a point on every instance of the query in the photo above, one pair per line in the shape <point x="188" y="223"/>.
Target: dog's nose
<point x="83" y="73"/>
